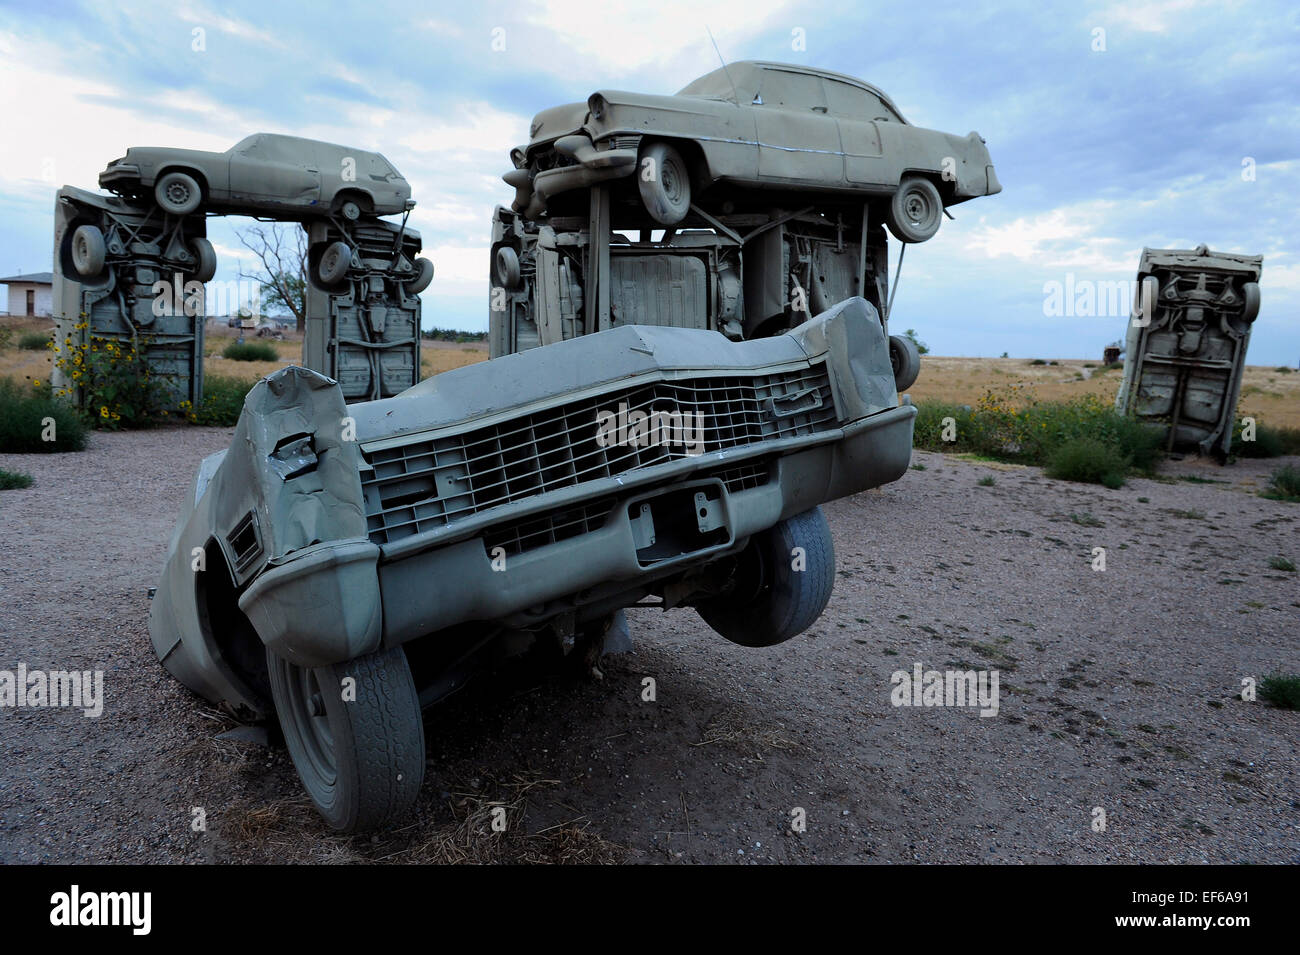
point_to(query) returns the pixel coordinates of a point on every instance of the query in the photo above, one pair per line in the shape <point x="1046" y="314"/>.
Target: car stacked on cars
<point x="689" y="356"/>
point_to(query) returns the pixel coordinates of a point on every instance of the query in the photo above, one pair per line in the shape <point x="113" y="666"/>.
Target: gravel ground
<point x="1119" y="691"/>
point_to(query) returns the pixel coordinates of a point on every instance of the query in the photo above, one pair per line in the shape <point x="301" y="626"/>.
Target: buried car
<point x="1185" y="352"/>
<point x="265" y="171"/>
<point x="774" y="127"/>
<point x="345" y="565"/>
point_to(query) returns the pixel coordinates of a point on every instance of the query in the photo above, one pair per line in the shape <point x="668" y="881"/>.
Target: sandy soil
<point x="1119" y="690"/>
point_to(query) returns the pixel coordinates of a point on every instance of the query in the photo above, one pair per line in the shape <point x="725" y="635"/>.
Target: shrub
<point x="250" y="351"/>
<point x="1009" y="425"/>
<point x="1284" y="485"/>
<point x="223" y="400"/>
<point x="14" y="480"/>
<point x="1089" y="461"/>
<point x="34" y="341"/>
<point x="1280" y="690"/>
<point x="23" y="414"/>
<point x="1282" y="563"/>
<point x="1268" y="443"/>
<point x="119" y="388"/>
<point x="987" y="481"/>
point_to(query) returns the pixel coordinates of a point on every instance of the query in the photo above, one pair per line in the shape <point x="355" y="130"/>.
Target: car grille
<point x="430" y="483"/>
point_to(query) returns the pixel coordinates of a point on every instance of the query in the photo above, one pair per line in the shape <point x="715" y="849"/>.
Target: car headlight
<point x="596" y="106"/>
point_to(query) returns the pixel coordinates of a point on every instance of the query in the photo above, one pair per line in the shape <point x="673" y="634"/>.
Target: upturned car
<point x="265" y="171"/>
<point x="751" y="125"/>
<point x="343" y="566"/>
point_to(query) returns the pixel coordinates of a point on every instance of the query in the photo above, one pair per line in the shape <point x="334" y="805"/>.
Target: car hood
<point x="592" y="364"/>
<point x="557" y="121"/>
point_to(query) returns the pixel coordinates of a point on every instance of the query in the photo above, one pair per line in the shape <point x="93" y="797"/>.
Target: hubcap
<point x="917" y="208"/>
<point x="311" y="721"/>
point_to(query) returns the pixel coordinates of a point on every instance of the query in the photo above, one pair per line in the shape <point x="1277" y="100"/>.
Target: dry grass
<point x="288" y="830"/>
<point x="736" y="725"/>
<point x="1269" y="395"/>
<point x="472" y="839"/>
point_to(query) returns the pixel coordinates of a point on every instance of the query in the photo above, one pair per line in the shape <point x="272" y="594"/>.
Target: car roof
<point x="814" y="71"/>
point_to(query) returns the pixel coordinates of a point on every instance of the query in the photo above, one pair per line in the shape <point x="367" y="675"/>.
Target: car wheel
<point x="334" y="263"/>
<point x="423" y="276"/>
<point x="350" y="211"/>
<point x="906" y="359"/>
<point x="88" y="250"/>
<point x="178" y="193"/>
<point x="358" y="746"/>
<point x="915" y="210"/>
<point x="506" y="268"/>
<point x="207" y="260"/>
<point x="1250" y="291"/>
<point x="783" y="582"/>
<point x="665" y="183"/>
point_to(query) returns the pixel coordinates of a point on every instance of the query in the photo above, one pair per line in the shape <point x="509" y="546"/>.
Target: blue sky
<point x="1104" y="141"/>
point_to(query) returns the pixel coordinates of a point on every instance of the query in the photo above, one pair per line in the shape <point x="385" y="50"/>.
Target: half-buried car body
<point x="347" y="564"/>
<point x="1185" y="352"/>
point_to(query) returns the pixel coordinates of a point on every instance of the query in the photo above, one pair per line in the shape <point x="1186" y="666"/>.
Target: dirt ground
<point x="1119" y="692"/>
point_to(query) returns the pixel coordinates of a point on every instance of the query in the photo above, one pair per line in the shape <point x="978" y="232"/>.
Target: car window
<point x="853" y="102"/>
<point x="792" y="90"/>
<point x="718" y="85"/>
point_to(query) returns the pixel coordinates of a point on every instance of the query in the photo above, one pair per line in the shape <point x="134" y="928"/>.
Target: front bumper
<point x="589" y="166"/>
<point x="118" y="174"/>
<point x="339" y="600"/>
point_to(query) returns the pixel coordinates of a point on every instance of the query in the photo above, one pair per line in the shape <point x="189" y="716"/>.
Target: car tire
<point x="88" y="250"/>
<point x="1250" y="292"/>
<point x="350" y="211"/>
<point x="178" y="193"/>
<point x="506" y="270"/>
<point x="206" y="257"/>
<point x="423" y="276"/>
<point x="772" y="600"/>
<point x="906" y="359"/>
<point x="915" y="210"/>
<point x="361" y="760"/>
<point x="334" y="263"/>
<point x="667" y="193"/>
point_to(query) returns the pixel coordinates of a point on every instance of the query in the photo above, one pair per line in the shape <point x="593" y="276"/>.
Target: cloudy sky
<point x="1113" y="125"/>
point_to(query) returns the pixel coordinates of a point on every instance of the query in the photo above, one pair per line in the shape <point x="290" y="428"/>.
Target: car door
<point x="276" y="170"/>
<point x="798" y="141"/>
<point x="857" y="113"/>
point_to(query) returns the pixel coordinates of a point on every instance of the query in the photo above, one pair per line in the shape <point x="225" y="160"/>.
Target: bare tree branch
<point x="284" y="264"/>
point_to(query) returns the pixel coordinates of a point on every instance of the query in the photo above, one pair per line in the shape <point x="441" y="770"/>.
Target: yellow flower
<point x="103" y="411"/>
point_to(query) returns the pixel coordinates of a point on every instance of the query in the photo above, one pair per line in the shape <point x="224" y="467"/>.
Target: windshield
<point x="717" y="85"/>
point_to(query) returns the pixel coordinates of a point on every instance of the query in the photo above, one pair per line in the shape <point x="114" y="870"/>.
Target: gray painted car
<point x="753" y="125"/>
<point x="1186" y="344"/>
<point x="349" y="564"/>
<point x="265" y="171"/>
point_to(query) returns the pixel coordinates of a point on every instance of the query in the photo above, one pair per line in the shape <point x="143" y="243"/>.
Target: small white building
<point x="31" y="294"/>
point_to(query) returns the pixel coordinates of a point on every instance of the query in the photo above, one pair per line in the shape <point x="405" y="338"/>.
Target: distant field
<point x="435" y="356"/>
<point x="1270" y="395"/>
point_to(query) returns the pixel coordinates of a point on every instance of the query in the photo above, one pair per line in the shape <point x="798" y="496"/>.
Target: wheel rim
<point x="177" y="193"/>
<point x="80" y="250"/>
<point x="670" y="179"/>
<point x="330" y="262"/>
<point x="313" y="731"/>
<point x="917" y="208"/>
